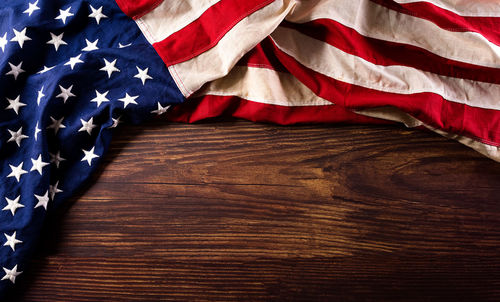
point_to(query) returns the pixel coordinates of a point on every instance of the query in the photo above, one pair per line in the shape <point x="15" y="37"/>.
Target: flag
<point x="432" y="64"/>
<point x="72" y="71"/>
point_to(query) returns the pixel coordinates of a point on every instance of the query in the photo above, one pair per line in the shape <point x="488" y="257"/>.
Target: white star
<point x="42" y="200"/>
<point x="127" y="99"/>
<point x="87" y="125"/>
<point x="63" y="14"/>
<point x="31" y="8"/>
<point x="53" y="190"/>
<point x="109" y="67"/>
<point x="40" y="96"/>
<point x="38" y="164"/>
<point x="16" y="136"/>
<point x="161" y="110"/>
<point x="17" y="171"/>
<point x="97" y="14"/>
<point x="11" y="241"/>
<point x="15" y="104"/>
<point x="143" y="75"/>
<point x="15" y="70"/>
<point x="45" y="69"/>
<point x="73" y="61"/>
<point x="56" y="124"/>
<point x="13" y="205"/>
<point x="57" y="40"/>
<point x="3" y="42"/>
<point x="56" y="158"/>
<point x="100" y="98"/>
<point x="11" y="274"/>
<point x="65" y="93"/>
<point x="36" y="131"/>
<point x="91" y="45"/>
<point x="116" y="121"/>
<point x="20" y="37"/>
<point x="120" y="45"/>
<point x="89" y="155"/>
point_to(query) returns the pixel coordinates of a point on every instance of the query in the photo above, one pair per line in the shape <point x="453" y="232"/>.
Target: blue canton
<point x="70" y="72"/>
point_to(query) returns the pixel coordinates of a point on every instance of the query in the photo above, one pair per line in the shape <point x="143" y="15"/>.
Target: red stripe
<point x="387" y="53"/>
<point x="206" y="31"/>
<point x="489" y="27"/>
<point x="137" y="8"/>
<point x="430" y="108"/>
<point x="215" y="106"/>
<point x="262" y="56"/>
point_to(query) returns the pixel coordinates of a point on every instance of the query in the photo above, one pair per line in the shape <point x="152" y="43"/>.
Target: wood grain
<point x="233" y="211"/>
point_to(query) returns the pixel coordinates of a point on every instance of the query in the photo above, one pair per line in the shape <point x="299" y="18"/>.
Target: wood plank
<point x="232" y="210"/>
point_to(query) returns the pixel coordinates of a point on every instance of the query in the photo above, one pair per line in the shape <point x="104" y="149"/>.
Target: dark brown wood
<point x="232" y="211"/>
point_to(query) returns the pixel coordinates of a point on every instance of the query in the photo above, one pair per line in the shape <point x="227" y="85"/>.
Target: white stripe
<point x="490" y="151"/>
<point x="218" y="61"/>
<point x="170" y="17"/>
<point x="351" y="69"/>
<point x="391" y="113"/>
<point x="375" y="21"/>
<point x="394" y="114"/>
<point x="265" y="86"/>
<point x="471" y="8"/>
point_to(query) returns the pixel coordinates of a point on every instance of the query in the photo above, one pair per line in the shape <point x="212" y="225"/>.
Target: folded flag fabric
<point x="433" y="64"/>
<point x="72" y="71"/>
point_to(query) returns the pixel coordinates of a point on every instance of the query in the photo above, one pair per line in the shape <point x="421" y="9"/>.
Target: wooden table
<point x="233" y="210"/>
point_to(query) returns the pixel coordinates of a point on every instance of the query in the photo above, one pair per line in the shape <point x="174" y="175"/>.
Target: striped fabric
<point x="433" y="64"/>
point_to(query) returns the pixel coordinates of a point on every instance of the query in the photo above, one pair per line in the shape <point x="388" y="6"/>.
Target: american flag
<point x="431" y="64"/>
<point x="72" y="71"/>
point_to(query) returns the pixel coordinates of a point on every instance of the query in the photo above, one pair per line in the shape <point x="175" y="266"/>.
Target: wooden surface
<point x="240" y="211"/>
